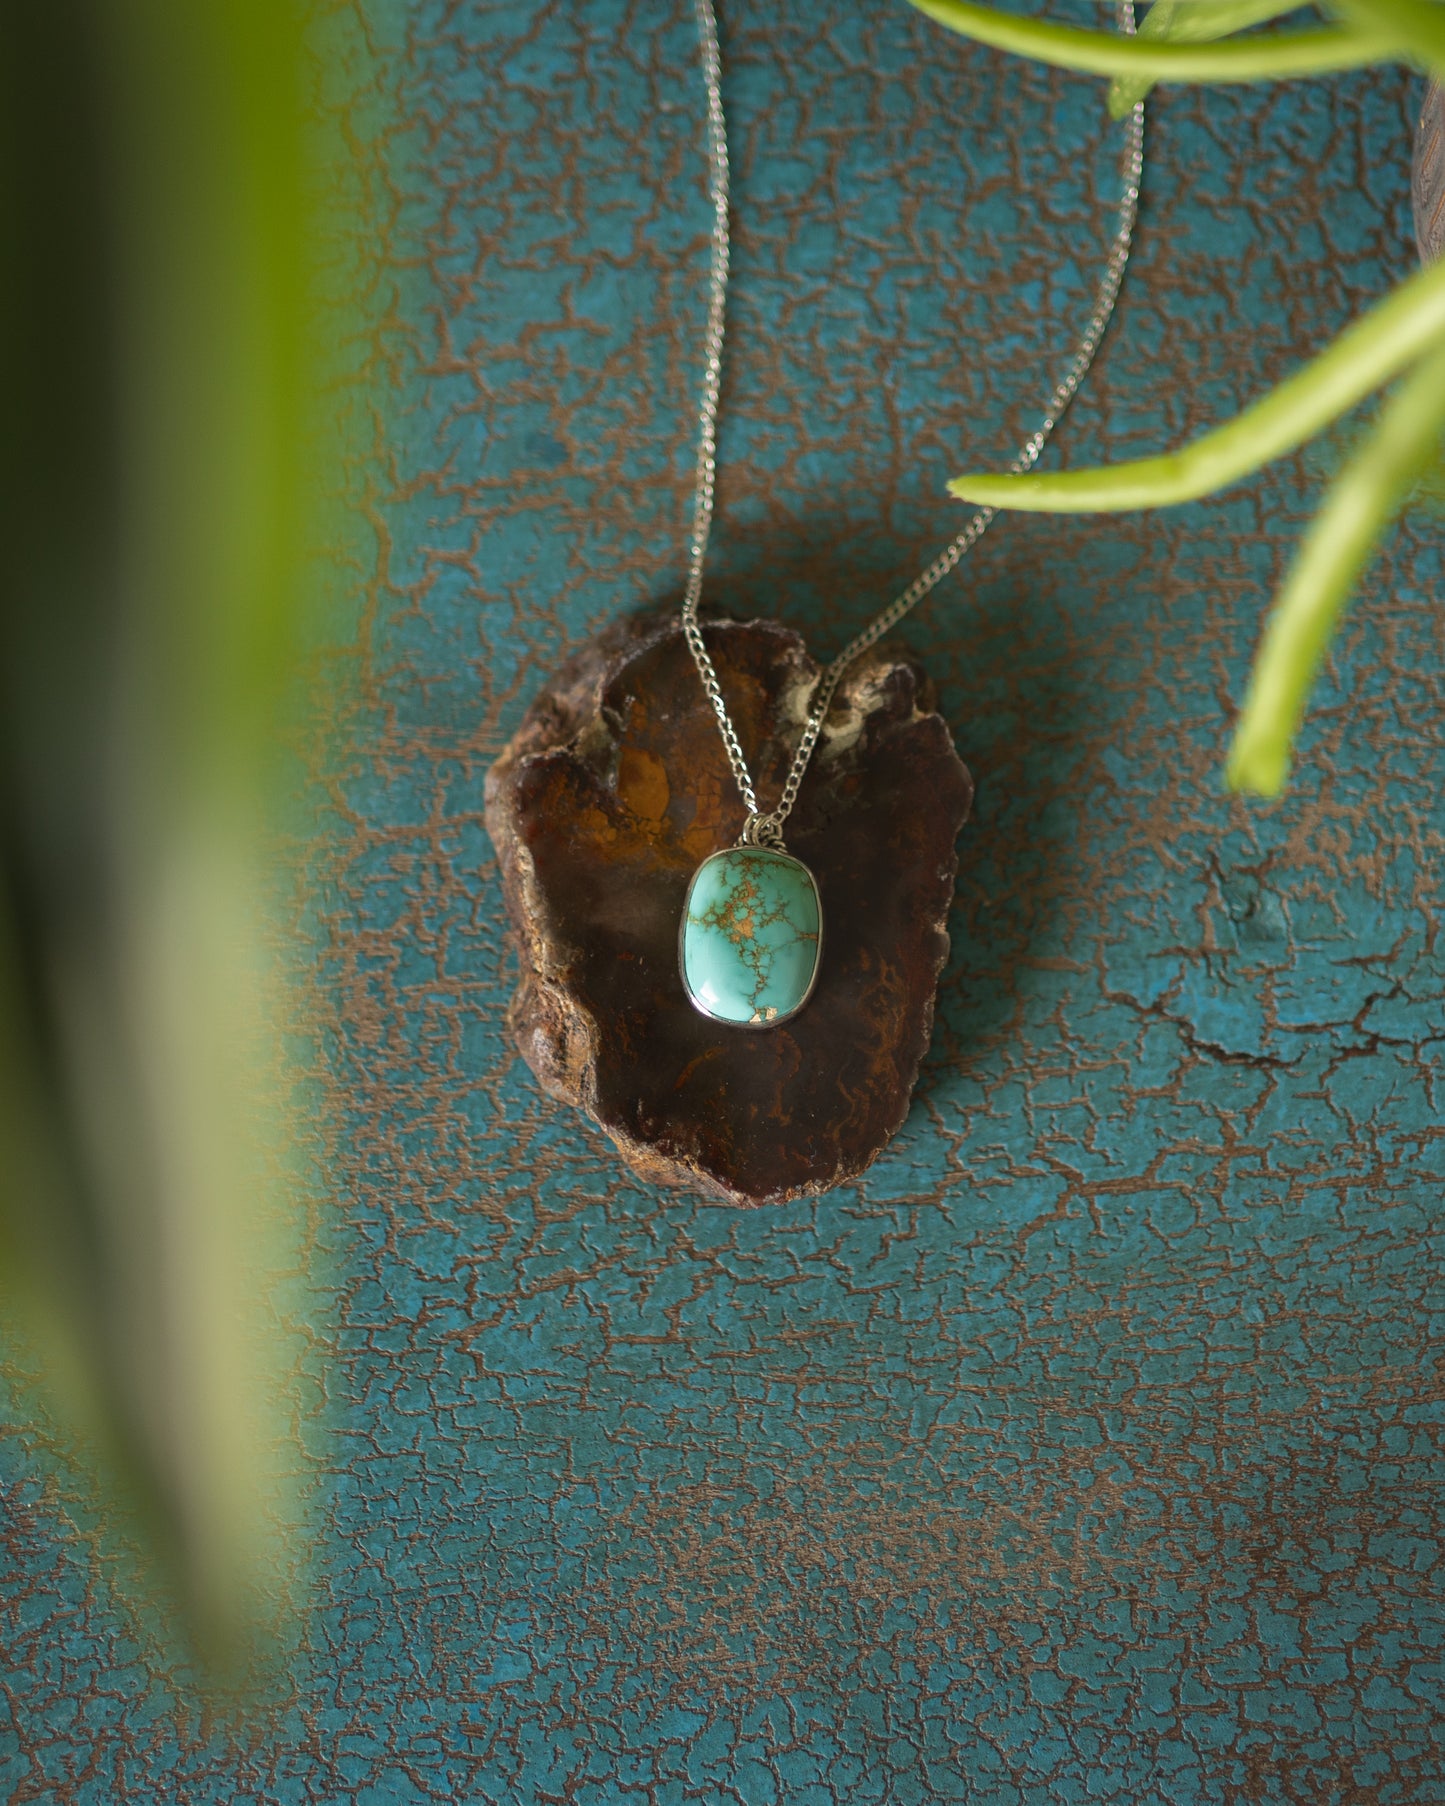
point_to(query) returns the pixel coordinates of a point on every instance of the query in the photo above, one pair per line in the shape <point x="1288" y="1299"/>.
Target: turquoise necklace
<point x="750" y="943"/>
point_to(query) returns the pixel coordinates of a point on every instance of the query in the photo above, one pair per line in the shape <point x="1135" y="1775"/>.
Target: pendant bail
<point x="761" y="830"/>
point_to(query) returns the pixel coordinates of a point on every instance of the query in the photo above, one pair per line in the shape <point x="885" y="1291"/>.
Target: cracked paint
<point x="1089" y="1448"/>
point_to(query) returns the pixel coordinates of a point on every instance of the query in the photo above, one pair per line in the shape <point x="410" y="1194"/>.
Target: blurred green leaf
<point x="1388" y="339"/>
<point x="1264" y="58"/>
<point x="1360" y="503"/>
<point x="1191" y="22"/>
<point x="168" y="204"/>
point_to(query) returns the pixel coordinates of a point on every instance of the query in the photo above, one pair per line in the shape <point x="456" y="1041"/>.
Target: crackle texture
<point x="1088" y="1448"/>
<point x="602" y="807"/>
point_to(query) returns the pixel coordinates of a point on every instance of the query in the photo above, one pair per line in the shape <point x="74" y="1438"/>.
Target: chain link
<point x="765" y="828"/>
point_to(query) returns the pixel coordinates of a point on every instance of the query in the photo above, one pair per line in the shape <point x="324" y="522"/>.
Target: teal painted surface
<point x="751" y="936"/>
<point x="1089" y="1449"/>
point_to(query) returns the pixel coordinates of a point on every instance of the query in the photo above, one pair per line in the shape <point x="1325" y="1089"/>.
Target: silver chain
<point x="766" y="828"/>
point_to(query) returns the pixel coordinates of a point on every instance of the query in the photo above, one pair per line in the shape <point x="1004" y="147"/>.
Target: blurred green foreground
<point x="177" y="405"/>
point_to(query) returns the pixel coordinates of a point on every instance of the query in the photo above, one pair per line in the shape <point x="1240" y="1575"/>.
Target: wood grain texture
<point x="1427" y="175"/>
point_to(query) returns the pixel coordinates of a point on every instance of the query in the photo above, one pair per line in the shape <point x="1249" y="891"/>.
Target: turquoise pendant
<point x="751" y="935"/>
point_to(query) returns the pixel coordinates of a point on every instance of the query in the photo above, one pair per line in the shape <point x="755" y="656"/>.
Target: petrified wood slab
<point x="613" y="791"/>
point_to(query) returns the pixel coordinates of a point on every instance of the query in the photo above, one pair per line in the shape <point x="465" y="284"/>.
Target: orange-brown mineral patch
<point x="642" y="784"/>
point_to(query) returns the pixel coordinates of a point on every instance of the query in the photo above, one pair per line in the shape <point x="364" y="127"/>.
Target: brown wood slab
<point x="611" y="793"/>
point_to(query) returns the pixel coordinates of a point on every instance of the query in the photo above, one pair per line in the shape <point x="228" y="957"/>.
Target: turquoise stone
<point x="751" y="932"/>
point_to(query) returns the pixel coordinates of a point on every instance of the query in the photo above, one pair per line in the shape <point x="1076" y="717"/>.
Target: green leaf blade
<point x="1418" y="25"/>
<point x="1396" y="332"/>
<point x="1191" y="22"/>
<point x="1359" y="505"/>
<point x="181" y="316"/>
<point x="1264" y="58"/>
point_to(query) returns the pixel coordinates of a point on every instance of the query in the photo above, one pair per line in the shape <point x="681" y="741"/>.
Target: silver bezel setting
<point x="701" y="1008"/>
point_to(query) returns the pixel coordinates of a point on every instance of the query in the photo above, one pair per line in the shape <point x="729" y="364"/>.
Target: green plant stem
<point x="1191" y="22"/>
<point x="1338" y="545"/>
<point x="1392" y="336"/>
<point x="1264" y="58"/>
